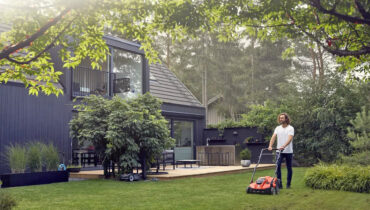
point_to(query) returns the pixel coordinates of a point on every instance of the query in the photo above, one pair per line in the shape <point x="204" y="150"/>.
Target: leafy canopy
<point x="78" y="26"/>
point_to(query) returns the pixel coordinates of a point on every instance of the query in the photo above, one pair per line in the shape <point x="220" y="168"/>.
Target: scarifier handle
<point x="259" y="159"/>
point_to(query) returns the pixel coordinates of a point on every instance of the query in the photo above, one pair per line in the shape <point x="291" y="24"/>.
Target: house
<point x="126" y="73"/>
<point x="213" y="115"/>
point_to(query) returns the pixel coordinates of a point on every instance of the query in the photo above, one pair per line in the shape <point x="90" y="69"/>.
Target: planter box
<point x="74" y="170"/>
<point x="24" y="179"/>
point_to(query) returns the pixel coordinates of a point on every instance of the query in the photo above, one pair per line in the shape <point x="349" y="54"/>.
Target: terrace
<point x="180" y="172"/>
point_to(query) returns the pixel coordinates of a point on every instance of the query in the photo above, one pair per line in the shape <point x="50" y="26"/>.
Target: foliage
<point x="360" y="135"/>
<point x="127" y="132"/>
<point x="340" y="27"/>
<point x="245" y="154"/>
<point x="7" y="201"/>
<point x="17" y="157"/>
<point x="264" y="117"/>
<point x="34" y="158"/>
<point x="90" y="125"/>
<point x="74" y="166"/>
<point x="50" y="157"/>
<point x="226" y="124"/>
<point x="321" y="116"/>
<point x="335" y="177"/>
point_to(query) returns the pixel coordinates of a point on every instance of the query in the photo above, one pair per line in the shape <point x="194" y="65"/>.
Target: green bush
<point x="7" y="202"/>
<point x="339" y="177"/>
<point x="50" y="157"/>
<point x="34" y="158"/>
<point x="245" y="154"/>
<point x="359" y="133"/>
<point x="16" y="155"/>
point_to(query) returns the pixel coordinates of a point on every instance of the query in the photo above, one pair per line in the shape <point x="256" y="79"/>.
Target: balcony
<point x="88" y="81"/>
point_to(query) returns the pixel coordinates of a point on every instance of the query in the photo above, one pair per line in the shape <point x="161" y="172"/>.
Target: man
<point x="284" y="133"/>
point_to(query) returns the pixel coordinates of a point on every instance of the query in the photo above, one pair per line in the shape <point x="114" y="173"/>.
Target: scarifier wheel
<point x="131" y="178"/>
<point x="273" y="191"/>
<point x="277" y="189"/>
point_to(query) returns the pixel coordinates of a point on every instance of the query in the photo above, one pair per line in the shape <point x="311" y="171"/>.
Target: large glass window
<point x="88" y="81"/>
<point x="128" y="71"/>
<point x="183" y="133"/>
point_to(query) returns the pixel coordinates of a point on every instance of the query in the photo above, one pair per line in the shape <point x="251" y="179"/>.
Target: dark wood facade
<point x="25" y="118"/>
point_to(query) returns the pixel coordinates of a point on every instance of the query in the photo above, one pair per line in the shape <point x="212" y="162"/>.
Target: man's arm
<point x="272" y="141"/>
<point x="290" y="138"/>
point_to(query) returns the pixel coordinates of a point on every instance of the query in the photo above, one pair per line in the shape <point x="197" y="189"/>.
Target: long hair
<point x="287" y="118"/>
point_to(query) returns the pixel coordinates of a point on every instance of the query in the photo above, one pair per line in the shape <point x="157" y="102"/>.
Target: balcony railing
<point x="87" y="81"/>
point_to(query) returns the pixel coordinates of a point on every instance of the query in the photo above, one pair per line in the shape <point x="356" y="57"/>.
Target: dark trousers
<point x="288" y="158"/>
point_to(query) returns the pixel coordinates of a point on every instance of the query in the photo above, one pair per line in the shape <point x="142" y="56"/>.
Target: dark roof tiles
<point x="166" y="86"/>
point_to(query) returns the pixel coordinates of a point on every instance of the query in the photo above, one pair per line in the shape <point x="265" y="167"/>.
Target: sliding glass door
<point x="183" y="133"/>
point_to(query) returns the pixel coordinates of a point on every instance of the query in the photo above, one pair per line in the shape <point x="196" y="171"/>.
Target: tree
<point x="360" y="135"/>
<point x="77" y="27"/>
<point x="124" y="132"/>
<point x="91" y="125"/>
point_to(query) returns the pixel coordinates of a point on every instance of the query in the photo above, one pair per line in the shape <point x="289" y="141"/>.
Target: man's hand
<point x="281" y="148"/>
<point x="270" y="148"/>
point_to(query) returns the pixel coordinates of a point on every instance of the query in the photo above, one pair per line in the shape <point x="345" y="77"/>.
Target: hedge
<point x="339" y="177"/>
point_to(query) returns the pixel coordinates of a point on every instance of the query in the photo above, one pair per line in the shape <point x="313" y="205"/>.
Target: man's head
<point x="283" y="118"/>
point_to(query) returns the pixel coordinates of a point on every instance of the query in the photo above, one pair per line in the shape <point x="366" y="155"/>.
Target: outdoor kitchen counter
<point x="222" y="155"/>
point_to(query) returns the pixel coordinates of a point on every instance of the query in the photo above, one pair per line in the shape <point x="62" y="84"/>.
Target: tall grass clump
<point x="7" y="202"/>
<point x="17" y="158"/>
<point x="34" y="158"/>
<point x="339" y="177"/>
<point x="50" y="157"/>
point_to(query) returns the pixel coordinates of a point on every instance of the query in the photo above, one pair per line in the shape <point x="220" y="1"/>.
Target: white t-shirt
<point x="282" y="137"/>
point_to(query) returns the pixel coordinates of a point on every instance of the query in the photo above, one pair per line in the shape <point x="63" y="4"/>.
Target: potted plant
<point x="245" y="156"/>
<point x="74" y="168"/>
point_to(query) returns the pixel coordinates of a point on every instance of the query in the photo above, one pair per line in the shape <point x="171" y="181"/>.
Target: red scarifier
<point x="266" y="184"/>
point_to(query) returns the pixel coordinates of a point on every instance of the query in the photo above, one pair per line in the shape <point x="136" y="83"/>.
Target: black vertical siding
<point x="25" y="118"/>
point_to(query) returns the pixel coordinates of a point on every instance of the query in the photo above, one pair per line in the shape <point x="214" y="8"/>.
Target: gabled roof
<point x="166" y="86"/>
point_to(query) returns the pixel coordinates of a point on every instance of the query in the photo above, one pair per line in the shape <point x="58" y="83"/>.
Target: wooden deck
<point x="181" y="172"/>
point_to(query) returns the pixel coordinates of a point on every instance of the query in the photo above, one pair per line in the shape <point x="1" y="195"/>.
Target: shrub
<point x="34" y="159"/>
<point x="16" y="155"/>
<point x="50" y="157"/>
<point x="245" y="154"/>
<point x="335" y="177"/>
<point x="7" y="202"/>
<point x="360" y="134"/>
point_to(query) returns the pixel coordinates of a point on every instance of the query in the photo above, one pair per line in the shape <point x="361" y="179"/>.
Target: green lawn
<point x="218" y="192"/>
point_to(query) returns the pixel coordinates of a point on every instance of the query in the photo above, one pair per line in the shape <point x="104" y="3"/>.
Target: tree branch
<point x="361" y="9"/>
<point x="363" y="51"/>
<point x="44" y="50"/>
<point x="317" y="4"/>
<point x="9" y="50"/>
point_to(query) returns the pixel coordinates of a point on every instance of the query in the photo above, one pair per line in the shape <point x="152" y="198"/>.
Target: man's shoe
<point x="288" y="186"/>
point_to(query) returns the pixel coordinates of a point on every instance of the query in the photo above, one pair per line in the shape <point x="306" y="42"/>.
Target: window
<point x="121" y="75"/>
<point x="88" y="81"/>
<point x="183" y="133"/>
<point x="127" y="73"/>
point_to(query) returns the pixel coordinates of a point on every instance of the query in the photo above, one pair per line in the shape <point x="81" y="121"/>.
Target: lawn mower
<point x="266" y="184"/>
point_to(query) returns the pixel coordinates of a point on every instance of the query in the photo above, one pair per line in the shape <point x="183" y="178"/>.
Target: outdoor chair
<point x="166" y="158"/>
<point x="89" y="158"/>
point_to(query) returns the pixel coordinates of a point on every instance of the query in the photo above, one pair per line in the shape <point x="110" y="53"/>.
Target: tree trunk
<point x="320" y="65"/>
<point x="143" y="167"/>
<point x="313" y="56"/>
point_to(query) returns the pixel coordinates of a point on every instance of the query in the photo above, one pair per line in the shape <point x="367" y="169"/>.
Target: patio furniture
<point x="89" y="158"/>
<point x="191" y="162"/>
<point x="166" y="158"/>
